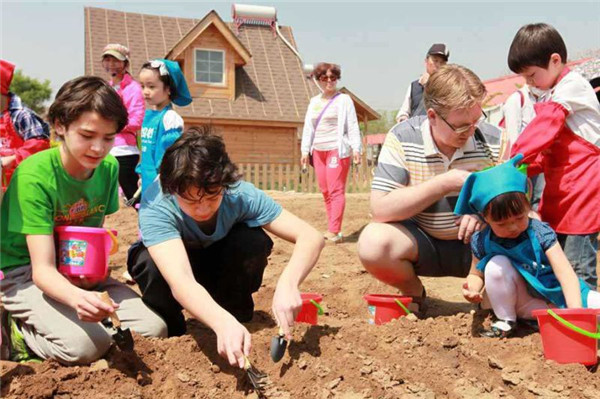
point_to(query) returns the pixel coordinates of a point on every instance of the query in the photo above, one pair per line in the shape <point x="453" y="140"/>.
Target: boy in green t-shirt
<point x="72" y="184"/>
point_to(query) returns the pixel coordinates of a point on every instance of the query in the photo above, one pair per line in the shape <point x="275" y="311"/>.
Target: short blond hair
<point x="453" y="87"/>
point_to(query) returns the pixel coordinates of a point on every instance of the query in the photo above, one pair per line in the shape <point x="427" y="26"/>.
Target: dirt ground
<point x="342" y="357"/>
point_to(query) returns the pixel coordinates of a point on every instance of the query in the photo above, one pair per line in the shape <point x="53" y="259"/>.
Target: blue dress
<point x="532" y="264"/>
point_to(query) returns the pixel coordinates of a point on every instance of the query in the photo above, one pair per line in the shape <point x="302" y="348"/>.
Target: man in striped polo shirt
<point x="422" y="166"/>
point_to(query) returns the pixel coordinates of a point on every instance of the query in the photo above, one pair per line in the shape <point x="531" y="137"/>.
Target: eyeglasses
<point x="464" y="129"/>
<point x="325" y="78"/>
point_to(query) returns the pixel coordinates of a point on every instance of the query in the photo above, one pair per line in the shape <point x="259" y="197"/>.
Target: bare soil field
<point x="341" y="357"/>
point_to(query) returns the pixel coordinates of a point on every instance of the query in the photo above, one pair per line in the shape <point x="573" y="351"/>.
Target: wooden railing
<point x="286" y="177"/>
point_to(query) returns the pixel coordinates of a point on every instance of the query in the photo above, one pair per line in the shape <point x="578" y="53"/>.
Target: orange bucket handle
<point x="115" y="243"/>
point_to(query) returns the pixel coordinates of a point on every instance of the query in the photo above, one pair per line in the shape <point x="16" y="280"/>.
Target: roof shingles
<point x="270" y="87"/>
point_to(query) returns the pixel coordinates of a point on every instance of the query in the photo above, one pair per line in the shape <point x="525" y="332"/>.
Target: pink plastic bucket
<point x="84" y="251"/>
<point x="311" y="308"/>
<point x="570" y="335"/>
<point x="384" y="308"/>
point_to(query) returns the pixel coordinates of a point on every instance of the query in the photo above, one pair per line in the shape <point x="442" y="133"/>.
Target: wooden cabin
<point x="245" y="81"/>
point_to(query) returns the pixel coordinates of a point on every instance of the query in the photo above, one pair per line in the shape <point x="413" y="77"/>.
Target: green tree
<point x="382" y="125"/>
<point x="33" y="92"/>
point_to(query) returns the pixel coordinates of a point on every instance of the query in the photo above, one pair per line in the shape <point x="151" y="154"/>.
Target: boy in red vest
<point x="562" y="142"/>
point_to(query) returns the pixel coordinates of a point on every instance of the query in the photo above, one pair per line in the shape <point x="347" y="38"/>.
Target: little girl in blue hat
<point x="518" y="257"/>
<point x="162" y="83"/>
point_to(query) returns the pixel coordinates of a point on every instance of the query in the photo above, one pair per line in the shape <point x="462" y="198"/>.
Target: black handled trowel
<point x="278" y="346"/>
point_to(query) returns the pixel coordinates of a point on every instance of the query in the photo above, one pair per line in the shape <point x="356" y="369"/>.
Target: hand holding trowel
<point x="122" y="338"/>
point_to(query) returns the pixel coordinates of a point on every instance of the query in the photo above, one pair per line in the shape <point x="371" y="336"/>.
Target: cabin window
<point x="210" y="66"/>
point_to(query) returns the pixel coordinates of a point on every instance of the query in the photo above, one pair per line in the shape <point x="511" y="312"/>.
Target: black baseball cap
<point x="439" y="49"/>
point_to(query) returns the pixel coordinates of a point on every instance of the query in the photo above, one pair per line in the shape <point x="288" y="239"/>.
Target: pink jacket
<point x="133" y="99"/>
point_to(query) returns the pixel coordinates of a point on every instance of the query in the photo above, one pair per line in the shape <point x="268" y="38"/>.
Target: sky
<point x="380" y="46"/>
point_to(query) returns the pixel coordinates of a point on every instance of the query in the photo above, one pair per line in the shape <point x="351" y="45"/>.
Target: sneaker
<point x="328" y="235"/>
<point x="18" y="350"/>
<point x="333" y="237"/>
<point x="500" y="329"/>
<point x="337" y="239"/>
<point x="418" y="304"/>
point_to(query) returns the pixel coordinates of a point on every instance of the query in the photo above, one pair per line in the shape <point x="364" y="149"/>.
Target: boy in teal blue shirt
<point x="204" y="248"/>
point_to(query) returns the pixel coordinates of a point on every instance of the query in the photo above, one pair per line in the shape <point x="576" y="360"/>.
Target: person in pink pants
<point x="330" y="137"/>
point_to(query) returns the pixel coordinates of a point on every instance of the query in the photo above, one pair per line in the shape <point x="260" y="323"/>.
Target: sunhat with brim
<point x="116" y="50"/>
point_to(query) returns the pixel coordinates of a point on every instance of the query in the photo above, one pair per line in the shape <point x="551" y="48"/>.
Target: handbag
<point x="310" y="157"/>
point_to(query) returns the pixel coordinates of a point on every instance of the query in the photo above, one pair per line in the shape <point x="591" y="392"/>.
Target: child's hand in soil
<point x="90" y="307"/>
<point x="471" y="296"/>
<point x="233" y="341"/>
<point x="287" y="302"/>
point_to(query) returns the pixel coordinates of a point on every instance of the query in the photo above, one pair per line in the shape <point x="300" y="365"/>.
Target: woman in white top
<point x="330" y="137"/>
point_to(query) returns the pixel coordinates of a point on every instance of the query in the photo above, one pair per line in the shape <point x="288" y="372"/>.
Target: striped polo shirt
<point x="410" y="157"/>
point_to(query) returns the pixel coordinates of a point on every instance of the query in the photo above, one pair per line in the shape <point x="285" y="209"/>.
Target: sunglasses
<point x="325" y="78"/>
<point x="464" y="129"/>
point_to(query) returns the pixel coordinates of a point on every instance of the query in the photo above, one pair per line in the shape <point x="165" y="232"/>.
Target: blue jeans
<point x="581" y="250"/>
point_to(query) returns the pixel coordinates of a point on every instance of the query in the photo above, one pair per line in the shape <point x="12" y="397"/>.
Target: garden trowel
<point x="122" y="337"/>
<point x="278" y="346"/>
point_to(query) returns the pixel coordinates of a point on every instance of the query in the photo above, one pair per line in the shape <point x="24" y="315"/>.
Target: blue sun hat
<point x="180" y="93"/>
<point x="482" y="187"/>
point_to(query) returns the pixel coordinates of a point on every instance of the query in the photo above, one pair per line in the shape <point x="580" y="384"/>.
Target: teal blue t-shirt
<point x="161" y="218"/>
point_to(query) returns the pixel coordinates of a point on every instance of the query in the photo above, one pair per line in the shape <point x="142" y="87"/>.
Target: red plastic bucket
<point x="83" y="251"/>
<point x="383" y="307"/>
<point x="569" y="335"/>
<point x="310" y="308"/>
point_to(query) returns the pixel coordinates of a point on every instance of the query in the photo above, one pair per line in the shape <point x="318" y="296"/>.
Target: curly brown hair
<point x="322" y="67"/>
<point x="198" y="159"/>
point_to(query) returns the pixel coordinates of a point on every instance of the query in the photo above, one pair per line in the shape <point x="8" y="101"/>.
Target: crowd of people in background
<point x="446" y="200"/>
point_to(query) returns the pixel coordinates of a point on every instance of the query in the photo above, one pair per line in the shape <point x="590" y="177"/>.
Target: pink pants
<point x="331" y="174"/>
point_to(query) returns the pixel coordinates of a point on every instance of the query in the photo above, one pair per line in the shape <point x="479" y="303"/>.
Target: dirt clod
<point x="101" y="364"/>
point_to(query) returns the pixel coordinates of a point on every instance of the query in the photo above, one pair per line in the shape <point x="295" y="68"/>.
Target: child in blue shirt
<point x="204" y="248"/>
<point x="162" y="83"/>
<point x="519" y="258"/>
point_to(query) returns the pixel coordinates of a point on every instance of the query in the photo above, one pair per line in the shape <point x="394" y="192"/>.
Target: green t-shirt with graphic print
<point x="41" y="195"/>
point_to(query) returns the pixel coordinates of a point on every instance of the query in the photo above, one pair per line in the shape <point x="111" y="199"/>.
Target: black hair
<point x="197" y="159"/>
<point x="87" y="94"/>
<point x="506" y="205"/>
<point x="533" y="45"/>
<point x="166" y="79"/>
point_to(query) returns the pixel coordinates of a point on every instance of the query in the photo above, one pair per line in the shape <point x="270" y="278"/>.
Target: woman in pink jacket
<point x="115" y="60"/>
